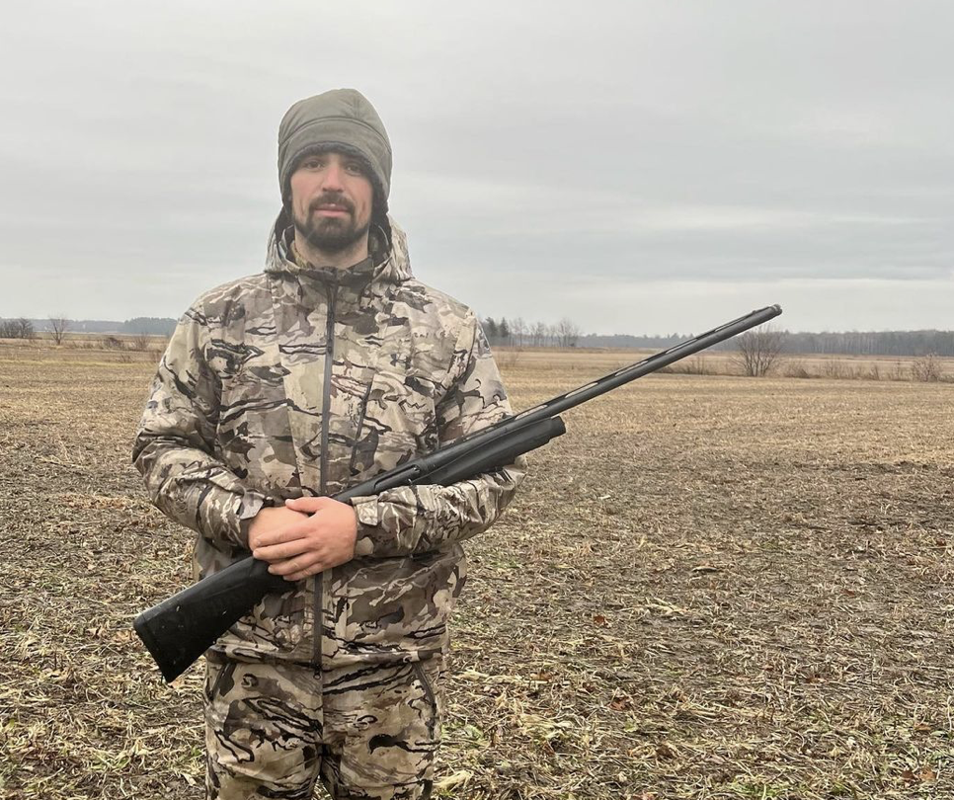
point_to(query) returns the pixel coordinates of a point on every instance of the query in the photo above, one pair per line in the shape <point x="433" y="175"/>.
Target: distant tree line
<point x="630" y="342"/>
<point x="872" y="343"/>
<point x="858" y="343"/>
<point x="150" y="326"/>
<point x="517" y="332"/>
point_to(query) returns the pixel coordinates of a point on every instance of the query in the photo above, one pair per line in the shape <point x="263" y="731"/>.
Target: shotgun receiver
<point x="180" y="629"/>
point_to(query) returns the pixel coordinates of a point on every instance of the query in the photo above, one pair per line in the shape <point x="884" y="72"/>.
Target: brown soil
<point x="712" y="587"/>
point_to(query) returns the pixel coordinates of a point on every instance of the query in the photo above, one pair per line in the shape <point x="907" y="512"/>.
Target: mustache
<point x="331" y="200"/>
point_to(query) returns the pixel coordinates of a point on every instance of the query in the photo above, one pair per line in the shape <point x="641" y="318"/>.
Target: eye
<point x="354" y="168"/>
<point x="313" y="162"/>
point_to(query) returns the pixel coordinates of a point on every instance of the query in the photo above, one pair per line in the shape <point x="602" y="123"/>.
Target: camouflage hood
<point x="303" y="381"/>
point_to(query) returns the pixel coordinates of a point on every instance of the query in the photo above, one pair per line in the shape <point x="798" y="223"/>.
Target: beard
<point x="331" y="234"/>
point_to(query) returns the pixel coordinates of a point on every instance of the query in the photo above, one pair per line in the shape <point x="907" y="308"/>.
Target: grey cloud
<point x="537" y="142"/>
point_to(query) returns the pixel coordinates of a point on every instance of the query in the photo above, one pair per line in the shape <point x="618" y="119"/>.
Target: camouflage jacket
<point x="303" y="381"/>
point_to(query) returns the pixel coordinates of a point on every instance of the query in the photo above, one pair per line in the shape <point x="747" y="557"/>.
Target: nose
<point x="333" y="178"/>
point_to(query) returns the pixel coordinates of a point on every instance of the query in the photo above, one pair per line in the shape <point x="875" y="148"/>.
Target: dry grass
<point x="925" y="369"/>
<point x="724" y="362"/>
<point x="712" y="587"/>
<point x="87" y="349"/>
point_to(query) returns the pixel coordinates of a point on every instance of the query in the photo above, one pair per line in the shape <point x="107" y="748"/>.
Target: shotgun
<point x="178" y="630"/>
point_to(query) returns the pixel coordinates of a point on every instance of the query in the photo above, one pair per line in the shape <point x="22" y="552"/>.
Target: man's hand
<point x="272" y="519"/>
<point x="307" y="536"/>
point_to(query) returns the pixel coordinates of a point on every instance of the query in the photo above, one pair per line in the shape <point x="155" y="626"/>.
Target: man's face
<point x="331" y="198"/>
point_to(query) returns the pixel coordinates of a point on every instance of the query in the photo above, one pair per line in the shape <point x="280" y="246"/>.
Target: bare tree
<point x="26" y="329"/>
<point x="567" y="332"/>
<point x="758" y="351"/>
<point x="20" y="328"/>
<point x="538" y="334"/>
<point x="926" y="368"/>
<point x="518" y="330"/>
<point x="140" y="341"/>
<point x="59" y="325"/>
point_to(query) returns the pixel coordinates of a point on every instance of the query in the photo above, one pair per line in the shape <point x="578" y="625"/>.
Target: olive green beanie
<point x="341" y="120"/>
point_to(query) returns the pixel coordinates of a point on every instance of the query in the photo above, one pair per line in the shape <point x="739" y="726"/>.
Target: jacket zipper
<point x="358" y="427"/>
<point x="323" y="461"/>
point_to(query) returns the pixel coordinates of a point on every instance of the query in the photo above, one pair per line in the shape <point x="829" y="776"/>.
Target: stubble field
<point x="711" y="587"/>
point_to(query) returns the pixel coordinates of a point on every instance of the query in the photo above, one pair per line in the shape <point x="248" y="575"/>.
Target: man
<point x="280" y="390"/>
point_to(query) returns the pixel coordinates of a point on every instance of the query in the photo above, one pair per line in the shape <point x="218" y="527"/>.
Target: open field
<point x="712" y="587"/>
<point x="126" y="349"/>
<point x="725" y="362"/>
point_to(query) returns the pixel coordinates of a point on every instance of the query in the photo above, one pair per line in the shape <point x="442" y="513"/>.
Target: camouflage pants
<point x="368" y="732"/>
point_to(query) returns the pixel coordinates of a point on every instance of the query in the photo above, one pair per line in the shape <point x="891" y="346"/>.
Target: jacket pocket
<point x="430" y="674"/>
<point x="396" y="422"/>
<point x="218" y="675"/>
<point x="396" y="608"/>
<point x="280" y="626"/>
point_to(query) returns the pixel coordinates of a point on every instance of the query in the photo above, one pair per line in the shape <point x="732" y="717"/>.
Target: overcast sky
<point x="636" y="166"/>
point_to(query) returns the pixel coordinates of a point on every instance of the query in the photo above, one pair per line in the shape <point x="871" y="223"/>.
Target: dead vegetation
<point x="59" y="325"/>
<point x="712" y="587"/>
<point x="923" y="369"/>
<point x="85" y="349"/>
<point x="758" y="351"/>
<point x="926" y="369"/>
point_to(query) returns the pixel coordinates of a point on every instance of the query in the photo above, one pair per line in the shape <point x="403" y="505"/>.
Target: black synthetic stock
<point x="180" y="629"/>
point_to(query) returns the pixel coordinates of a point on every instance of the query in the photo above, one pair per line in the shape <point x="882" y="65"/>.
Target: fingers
<point x="281" y="550"/>
<point x="300" y="576"/>
<point x="286" y="533"/>
<point x="307" y="505"/>
<point x="310" y="562"/>
<point x="319" y="564"/>
<point x="294" y="569"/>
<point x="317" y="542"/>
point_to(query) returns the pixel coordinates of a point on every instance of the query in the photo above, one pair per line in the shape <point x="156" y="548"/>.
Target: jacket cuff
<point x="251" y="503"/>
<point x="367" y="512"/>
